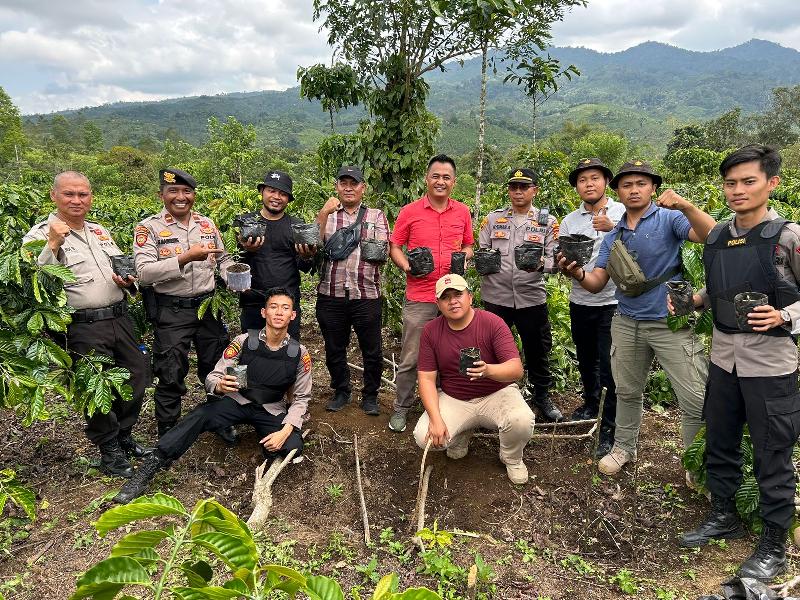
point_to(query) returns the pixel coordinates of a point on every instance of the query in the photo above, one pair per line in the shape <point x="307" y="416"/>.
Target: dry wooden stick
<point x="597" y="425"/>
<point x="783" y="589"/>
<point x="423" y="494"/>
<point x="364" y="516"/>
<point x="564" y="436"/>
<point x="472" y="580"/>
<point x="560" y="424"/>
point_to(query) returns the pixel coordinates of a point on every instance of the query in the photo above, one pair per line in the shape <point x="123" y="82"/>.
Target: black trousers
<point x="219" y="412"/>
<point x="591" y="332"/>
<point x="175" y="331"/>
<point x="114" y="338"/>
<point x="336" y="317"/>
<point x="533" y="326"/>
<point x="771" y="408"/>
<point x="251" y="318"/>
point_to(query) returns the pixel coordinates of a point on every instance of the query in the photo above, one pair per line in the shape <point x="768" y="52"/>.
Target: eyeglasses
<point x="520" y="186"/>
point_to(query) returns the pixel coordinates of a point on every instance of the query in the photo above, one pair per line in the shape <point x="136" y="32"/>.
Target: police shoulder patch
<point x="306" y="362"/>
<point x="485" y="222"/>
<point x="233" y="349"/>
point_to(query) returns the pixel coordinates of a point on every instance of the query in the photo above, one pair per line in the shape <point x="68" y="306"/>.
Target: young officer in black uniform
<point x="275" y="260"/>
<point x="753" y="375"/>
<point x="274" y="402"/>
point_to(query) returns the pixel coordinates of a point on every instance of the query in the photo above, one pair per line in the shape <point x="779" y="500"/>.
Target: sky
<point x="56" y="55"/>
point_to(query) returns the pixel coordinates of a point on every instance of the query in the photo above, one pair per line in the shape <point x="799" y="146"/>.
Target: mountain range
<point x="645" y="92"/>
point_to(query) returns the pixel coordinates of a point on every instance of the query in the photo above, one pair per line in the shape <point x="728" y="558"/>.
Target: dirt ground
<point x="564" y="535"/>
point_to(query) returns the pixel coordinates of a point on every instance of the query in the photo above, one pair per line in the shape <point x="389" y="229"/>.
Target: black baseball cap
<point x="176" y="176"/>
<point x="277" y="180"/>
<point x="636" y="166"/>
<point x="349" y="171"/>
<point x="589" y="163"/>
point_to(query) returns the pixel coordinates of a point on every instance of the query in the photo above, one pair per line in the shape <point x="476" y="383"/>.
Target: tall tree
<point x="391" y="46"/>
<point x="336" y="87"/>
<point x="12" y="138"/>
<point x="231" y="146"/>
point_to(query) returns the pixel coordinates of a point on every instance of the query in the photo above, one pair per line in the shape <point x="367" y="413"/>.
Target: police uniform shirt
<point x="87" y="252"/>
<point x="159" y="240"/>
<point x="511" y="286"/>
<point x="295" y="402"/>
<point x="752" y="354"/>
<point x="579" y="221"/>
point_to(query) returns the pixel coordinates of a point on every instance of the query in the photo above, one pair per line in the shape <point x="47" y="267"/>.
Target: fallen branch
<point x="363" y="502"/>
<point x="262" y="489"/>
<point x="336" y="437"/>
<point x="421" y="507"/>
<point x="783" y="589"/>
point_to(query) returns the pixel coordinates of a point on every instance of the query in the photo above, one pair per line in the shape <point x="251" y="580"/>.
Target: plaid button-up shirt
<point x="352" y="277"/>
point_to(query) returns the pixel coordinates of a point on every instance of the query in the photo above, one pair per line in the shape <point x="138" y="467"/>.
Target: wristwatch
<point x="787" y="318"/>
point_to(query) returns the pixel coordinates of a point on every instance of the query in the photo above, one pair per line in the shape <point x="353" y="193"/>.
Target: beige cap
<point x="450" y="281"/>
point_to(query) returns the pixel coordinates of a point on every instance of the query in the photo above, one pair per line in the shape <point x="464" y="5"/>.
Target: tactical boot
<point x="113" y="460"/>
<point x="586" y="411"/>
<point x="130" y="446"/>
<point x="137" y="485"/>
<point x="769" y="559"/>
<point x="722" y="523"/>
<point x="164" y="427"/>
<point x="339" y="401"/>
<point x="547" y="409"/>
<point x="228" y="434"/>
<point x="370" y="406"/>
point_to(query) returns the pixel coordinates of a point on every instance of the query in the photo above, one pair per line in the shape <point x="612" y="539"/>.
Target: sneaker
<point x="338" y="402"/>
<point x="548" y="410"/>
<point x="612" y="463"/>
<point x="370" y="407"/>
<point x="397" y="422"/>
<point x="585" y="412"/>
<point x="459" y="445"/>
<point x="517" y="473"/>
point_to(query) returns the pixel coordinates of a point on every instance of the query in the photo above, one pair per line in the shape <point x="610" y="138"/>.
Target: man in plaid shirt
<point x="349" y="293"/>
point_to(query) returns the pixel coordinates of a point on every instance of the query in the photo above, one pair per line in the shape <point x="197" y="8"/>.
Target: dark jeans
<point x="533" y="326"/>
<point x="771" y="408"/>
<point x="114" y="338"/>
<point x="218" y="412"/>
<point x="591" y="332"/>
<point x="251" y="319"/>
<point x="336" y="317"/>
<point x="175" y="331"/>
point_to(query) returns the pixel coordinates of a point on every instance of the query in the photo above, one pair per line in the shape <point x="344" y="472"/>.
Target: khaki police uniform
<point x="158" y="242"/>
<point x="517" y="296"/>
<point x="100" y="321"/>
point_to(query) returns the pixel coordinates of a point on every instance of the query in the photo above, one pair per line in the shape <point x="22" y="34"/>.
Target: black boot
<point x="722" y="523"/>
<point x="137" y="485"/>
<point x="769" y="559"/>
<point x="605" y="443"/>
<point x="370" y="406"/>
<point x="113" y="460"/>
<point x="586" y="411"/>
<point x="228" y="434"/>
<point x="130" y="446"/>
<point x="339" y="401"/>
<point x="164" y="427"/>
<point x="547" y="409"/>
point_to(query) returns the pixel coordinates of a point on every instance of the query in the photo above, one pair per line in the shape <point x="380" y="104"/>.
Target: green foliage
<point x="12" y="489"/>
<point x="611" y="148"/>
<point x="12" y="138"/>
<point x="150" y="560"/>
<point x="336" y="87"/>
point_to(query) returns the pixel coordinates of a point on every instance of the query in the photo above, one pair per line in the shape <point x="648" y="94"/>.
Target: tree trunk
<point x="481" y="131"/>
<point x="333" y="129"/>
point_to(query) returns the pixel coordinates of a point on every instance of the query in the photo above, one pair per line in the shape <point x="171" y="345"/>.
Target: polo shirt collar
<point x="426" y="203"/>
<point x="589" y="212"/>
<point x="623" y="222"/>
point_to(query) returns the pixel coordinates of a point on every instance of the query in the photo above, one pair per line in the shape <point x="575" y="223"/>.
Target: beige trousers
<point x="504" y="411"/>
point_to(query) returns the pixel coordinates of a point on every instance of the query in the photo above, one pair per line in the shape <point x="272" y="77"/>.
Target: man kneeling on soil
<point x="486" y="395"/>
<point x="274" y="401"/>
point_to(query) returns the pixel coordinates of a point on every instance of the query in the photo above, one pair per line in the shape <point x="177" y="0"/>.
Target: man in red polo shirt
<point x="443" y="225"/>
<point x="483" y="395"/>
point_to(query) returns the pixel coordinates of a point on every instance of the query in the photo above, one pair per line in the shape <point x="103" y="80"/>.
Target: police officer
<point x="753" y="373"/>
<point x="275" y="400"/>
<point x="275" y="260"/>
<point x="100" y="321"/>
<point x="518" y="296"/>
<point x="176" y="252"/>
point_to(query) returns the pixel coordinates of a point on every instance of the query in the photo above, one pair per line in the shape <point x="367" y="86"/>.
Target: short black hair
<point x="767" y="157"/>
<point x="277" y="291"/>
<point x="441" y="158"/>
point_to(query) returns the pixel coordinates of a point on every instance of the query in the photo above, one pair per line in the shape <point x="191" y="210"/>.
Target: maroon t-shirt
<point x="440" y="346"/>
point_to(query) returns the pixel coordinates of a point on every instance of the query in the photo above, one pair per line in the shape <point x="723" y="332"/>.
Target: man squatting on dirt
<point x="753" y="375"/>
<point x="274" y="403"/>
<point x="487" y="397"/>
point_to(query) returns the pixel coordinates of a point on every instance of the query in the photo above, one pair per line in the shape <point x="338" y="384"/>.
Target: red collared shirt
<point x="352" y="277"/>
<point x="418" y="224"/>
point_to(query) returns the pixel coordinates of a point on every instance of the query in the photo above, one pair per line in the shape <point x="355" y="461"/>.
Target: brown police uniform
<point x="179" y="291"/>
<point x="100" y="321"/>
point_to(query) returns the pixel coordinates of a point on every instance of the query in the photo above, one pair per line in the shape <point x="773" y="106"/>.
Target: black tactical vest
<point x="745" y="264"/>
<point x="270" y="373"/>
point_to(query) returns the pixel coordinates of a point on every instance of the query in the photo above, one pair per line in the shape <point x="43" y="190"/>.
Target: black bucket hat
<point x="277" y="180"/>
<point x="636" y="166"/>
<point x="589" y="163"/>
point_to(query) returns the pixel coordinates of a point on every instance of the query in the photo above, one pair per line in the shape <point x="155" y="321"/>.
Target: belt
<point x="90" y="315"/>
<point x="180" y="301"/>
